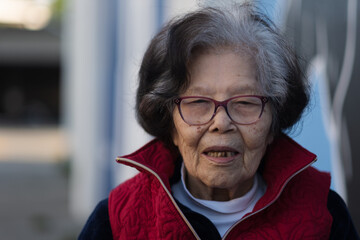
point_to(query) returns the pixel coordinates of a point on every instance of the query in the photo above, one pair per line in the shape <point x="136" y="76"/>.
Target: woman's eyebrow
<point x="198" y="90"/>
<point x="243" y="90"/>
<point x="234" y="90"/>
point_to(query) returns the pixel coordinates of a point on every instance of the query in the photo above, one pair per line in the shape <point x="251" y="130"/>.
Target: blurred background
<point x="68" y="76"/>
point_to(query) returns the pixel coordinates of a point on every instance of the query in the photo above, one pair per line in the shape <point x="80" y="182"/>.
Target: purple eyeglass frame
<point x="224" y="103"/>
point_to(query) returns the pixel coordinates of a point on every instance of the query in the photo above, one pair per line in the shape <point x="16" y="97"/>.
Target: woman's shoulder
<point x="130" y="188"/>
<point x="98" y="224"/>
<point x="342" y="226"/>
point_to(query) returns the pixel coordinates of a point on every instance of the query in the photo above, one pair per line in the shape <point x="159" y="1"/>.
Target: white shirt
<point x="222" y="214"/>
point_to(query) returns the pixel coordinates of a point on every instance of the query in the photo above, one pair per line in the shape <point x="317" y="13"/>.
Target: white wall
<point x="86" y="59"/>
<point x="103" y="45"/>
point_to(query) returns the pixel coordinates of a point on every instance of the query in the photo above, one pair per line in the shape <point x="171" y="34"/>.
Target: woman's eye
<point x="244" y="103"/>
<point x="247" y="101"/>
<point x="197" y="101"/>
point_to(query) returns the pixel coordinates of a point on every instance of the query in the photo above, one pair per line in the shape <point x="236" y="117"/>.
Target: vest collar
<point x="284" y="159"/>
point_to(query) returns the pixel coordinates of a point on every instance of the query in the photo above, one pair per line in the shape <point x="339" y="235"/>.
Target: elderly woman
<point x="218" y="89"/>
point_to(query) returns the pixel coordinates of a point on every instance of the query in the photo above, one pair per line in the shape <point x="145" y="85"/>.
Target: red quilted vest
<point x="294" y="205"/>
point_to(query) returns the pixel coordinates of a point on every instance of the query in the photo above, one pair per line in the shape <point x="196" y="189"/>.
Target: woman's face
<point x="210" y="175"/>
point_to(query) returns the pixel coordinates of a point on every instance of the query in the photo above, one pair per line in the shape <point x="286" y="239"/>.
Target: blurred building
<point x="30" y="82"/>
<point x="33" y="151"/>
<point x="29" y="65"/>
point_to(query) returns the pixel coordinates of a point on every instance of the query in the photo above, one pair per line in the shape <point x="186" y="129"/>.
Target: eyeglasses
<point x="244" y="110"/>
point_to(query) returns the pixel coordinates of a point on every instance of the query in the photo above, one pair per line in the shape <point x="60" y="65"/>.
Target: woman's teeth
<point x="221" y="154"/>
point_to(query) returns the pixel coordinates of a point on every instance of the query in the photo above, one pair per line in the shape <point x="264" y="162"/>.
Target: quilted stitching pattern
<point x="141" y="209"/>
<point x="145" y="211"/>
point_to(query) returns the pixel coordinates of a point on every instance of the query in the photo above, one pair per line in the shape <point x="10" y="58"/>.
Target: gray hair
<point x="164" y="70"/>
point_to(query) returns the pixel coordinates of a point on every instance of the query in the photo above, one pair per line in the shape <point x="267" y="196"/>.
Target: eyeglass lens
<point x="242" y="110"/>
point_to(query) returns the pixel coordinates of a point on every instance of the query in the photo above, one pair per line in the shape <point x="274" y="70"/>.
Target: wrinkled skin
<point x="210" y="176"/>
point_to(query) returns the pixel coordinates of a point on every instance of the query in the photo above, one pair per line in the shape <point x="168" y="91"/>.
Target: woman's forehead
<point x="227" y="71"/>
<point x="240" y="89"/>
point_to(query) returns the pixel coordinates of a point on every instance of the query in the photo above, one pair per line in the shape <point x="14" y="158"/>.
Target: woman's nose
<point x="221" y="121"/>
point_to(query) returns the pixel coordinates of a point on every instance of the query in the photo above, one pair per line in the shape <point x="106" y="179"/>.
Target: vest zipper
<point x="269" y="204"/>
<point x="119" y="160"/>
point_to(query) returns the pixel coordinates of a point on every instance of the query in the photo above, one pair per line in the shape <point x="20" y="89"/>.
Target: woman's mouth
<point x="221" y="154"/>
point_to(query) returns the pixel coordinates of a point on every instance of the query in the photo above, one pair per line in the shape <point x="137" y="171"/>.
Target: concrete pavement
<point x="34" y="202"/>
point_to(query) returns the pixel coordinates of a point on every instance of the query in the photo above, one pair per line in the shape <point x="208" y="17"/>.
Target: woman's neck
<point x="201" y="191"/>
